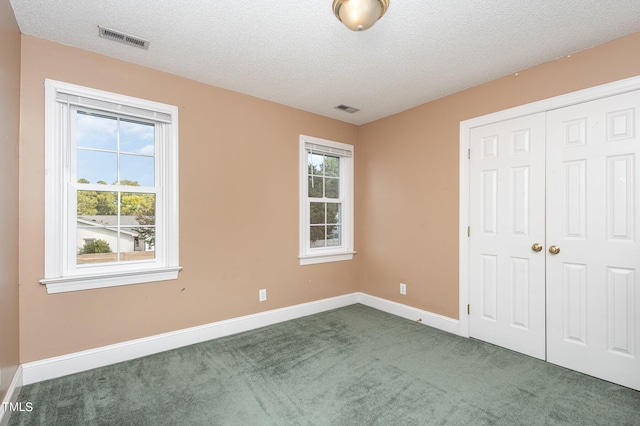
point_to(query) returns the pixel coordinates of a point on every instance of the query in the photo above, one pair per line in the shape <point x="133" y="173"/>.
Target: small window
<point x="326" y="193"/>
<point x="111" y="189"/>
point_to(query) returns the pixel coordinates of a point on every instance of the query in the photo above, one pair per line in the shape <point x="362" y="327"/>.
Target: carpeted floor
<point x="349" y="366"/>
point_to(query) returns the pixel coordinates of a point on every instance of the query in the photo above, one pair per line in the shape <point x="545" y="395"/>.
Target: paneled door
<point x="593" y="190"/>
<point x="507" y="259"/>
<point x="554" y="250"/>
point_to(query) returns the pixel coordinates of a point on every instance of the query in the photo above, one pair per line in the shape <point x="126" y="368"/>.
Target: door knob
<point x="536" y="247"/>
<point x="554" y="249"/>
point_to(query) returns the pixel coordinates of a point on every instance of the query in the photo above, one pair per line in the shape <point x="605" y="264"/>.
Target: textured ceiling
<point x="297" y="53"/>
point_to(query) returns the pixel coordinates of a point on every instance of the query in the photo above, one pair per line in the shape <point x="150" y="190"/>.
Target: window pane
<point x="97" y="203"/>
<point x="95" y="243"/>
<point x="96" y="131"/>
<point x="103" y="236"/>
<point x="332" y="166"/>
<point x="140" y="206"/>
<point x="107" y="204"/>
<point x="325" y="236"/>
<point x="138" y="217"/>
<point x="325" y="229"/>
<point x="334" y="235"/>
<point x="136" y="169"/>
<point x="134" y="246"/>
<point x="137" y="137"/>
<point x="96" y="166"/>
<point x="332" y="188"/>
<point x="315" y="187"/>
<point x="87" y="203"/>
<point x="317" y="236"/>
<point x="317" y="213"/>
<point x="315" y="164"/>
<point x="96" y="227"/>
<point x="333" y="213"/>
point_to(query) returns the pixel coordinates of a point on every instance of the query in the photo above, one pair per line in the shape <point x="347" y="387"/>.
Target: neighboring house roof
<point x="111" y="222"/>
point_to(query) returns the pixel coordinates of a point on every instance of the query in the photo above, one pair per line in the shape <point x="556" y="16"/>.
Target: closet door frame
<point x="593" y="93"/>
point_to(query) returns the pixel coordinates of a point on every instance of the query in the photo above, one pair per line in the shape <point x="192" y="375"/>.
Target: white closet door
<point x="507" y="293"/>
<point x="593" y="191"/>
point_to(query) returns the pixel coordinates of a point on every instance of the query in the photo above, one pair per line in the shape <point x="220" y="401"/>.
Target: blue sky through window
<point x="98" y="156"/>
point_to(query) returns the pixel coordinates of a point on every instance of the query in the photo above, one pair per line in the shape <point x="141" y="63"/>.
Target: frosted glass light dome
<point x="359" y="15"/>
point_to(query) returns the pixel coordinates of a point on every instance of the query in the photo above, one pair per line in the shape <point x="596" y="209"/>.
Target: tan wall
<point x="407" y="175"/>
<point x="238" y="210"/>
<point x="238" y="156"/>
<point x="9" y="124"/>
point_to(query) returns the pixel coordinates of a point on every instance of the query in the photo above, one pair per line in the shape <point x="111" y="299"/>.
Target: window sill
<point x="312" y="259"/>
<point x="88" y="282"/>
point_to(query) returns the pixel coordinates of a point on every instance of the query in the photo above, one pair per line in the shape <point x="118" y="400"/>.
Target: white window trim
<point x="58" y="275"/>
<point x="308" y="255"/>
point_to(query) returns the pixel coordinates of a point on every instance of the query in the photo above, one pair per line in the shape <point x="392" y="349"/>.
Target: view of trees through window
<point x="114" y="224"/>
<point x="324" y="197"/>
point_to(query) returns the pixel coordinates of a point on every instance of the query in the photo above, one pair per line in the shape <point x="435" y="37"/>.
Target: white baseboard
<point x="11" y="396"/>
<point x="50" y="368"/>
<point x="427" y="318"/>
<point x="59" y="366"/>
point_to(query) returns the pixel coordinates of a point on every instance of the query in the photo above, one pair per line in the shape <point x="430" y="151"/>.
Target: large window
<point x="111" y="189"/>
<point x="326" y="193"/>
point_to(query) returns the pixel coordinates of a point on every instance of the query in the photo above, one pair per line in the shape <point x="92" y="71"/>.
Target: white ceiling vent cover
<point x="123" y="38"/>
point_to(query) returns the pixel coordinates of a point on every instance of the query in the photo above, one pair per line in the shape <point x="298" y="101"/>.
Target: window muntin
<point x="117" y="154"/>
<point x="111" y="197"/>
<point x="327" y="201"/>
<point x="325" y="227"/>
<point x="324" y="216"/>
<point x="113" y="149"/>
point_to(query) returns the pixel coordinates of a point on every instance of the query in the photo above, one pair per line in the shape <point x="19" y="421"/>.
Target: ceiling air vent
<point x="348" y="109"/>
<point x="123" y="38"/>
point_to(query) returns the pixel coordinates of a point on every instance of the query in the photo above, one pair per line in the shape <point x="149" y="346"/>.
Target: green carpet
<point x="350" y="366"/>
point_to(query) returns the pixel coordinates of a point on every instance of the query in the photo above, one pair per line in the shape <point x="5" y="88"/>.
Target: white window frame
<point x="345" y="251"/>
<point x="61" y="273"/>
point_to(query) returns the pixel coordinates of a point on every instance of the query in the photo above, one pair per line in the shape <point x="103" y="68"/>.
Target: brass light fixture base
<point x="355" y="22"/>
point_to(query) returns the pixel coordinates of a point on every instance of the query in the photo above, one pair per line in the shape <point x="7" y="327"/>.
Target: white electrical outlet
<point x="403" y="289"/>
<point x="263" y="294"/>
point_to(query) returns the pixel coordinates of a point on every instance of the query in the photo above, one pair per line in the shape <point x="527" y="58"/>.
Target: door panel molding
<point x="508" y="296"/>
<point x="591" y="197"/>
<point x="600" y="249"/>
<point x="618" y="128"/>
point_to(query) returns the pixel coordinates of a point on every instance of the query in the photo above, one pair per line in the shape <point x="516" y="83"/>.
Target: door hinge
<point x="469" y="153"/>
<point x="468" y="231"/>
<point x="468" y="309"/>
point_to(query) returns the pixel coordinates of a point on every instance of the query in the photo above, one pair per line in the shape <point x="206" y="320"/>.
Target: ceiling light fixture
<point x="359" y="15"/>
